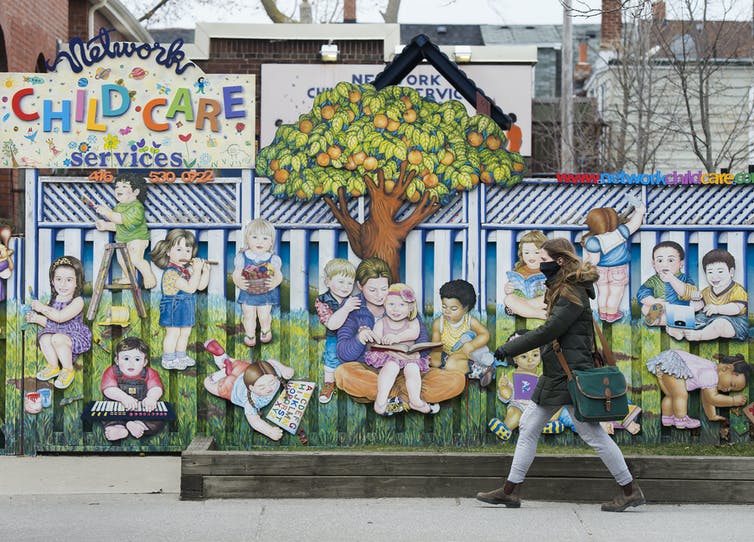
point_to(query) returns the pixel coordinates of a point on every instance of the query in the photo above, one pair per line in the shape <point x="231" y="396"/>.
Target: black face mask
<point x="549" y="269"/>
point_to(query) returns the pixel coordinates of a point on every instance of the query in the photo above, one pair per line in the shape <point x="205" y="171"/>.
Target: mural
<point x="464" y="339"/>
<point x="680" y="372"/>
<point x="6" y="261"/>
<point x="252" y="386"/>
<point x="127" y="220"/>
<point x="516" y="389"/>
<point x="258" y="274"/>
<point x="184" y="275"/>
<point x="525" y="289"/>
<point x="605" y="245"/>
<point x="392" y="145"/>
<point x="333" y="307"/>
<point x="420" y="275"/>
<point x="136" y="388"/>
<point x="63" y="335"/>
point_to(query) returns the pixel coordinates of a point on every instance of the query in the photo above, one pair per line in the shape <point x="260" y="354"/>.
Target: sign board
<point x="108" y="104"/>
<point x="289" y="89"/>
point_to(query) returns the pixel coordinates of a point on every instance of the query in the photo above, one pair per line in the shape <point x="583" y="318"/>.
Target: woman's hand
<point x="366" y="335"/>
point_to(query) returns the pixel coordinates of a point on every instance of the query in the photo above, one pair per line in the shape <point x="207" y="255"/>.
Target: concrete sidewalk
<point x="73" y="474"/>
<point x="95" y="498"/>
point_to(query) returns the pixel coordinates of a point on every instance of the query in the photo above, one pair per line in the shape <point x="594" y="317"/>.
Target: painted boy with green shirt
<point x="128" y="222"/>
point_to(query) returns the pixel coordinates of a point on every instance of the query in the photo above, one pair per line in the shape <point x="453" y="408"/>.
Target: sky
<point x="421" y="11"/>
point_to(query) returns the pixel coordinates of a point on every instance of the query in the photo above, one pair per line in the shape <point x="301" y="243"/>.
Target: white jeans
<point x="534" y="419"/>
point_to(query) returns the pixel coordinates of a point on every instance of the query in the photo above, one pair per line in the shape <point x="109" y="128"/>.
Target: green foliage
<point x="352" y="130"/>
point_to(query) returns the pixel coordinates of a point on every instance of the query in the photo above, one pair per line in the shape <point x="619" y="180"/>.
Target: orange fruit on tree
<point x="350" y="114"/>
<point x="305" y="126"/>
<point x="415" y="157"/>
<point x="380" y="121"/>
<point x="416" y="196"/>
<point x="370" y="163"/>
<point x="431" y="180"/>
<point x="389" y="186"/>
<point x="409" y="116"/>
<point x="327" y="112"/>
<point x="474" y="139"/>
<point x="448" y="158"/>
<point x="406" y="100"/>
<point x="393" y="125"/>
<point x="281" y="175"/>
<point x="355" y="193"/>
<point x="518" y="166"/>
<point x="493" y="142"/>
<point x="300" y="194"/>
<point x="474" y="179"/>
<point x="323" y="159"/>
<point x="367" y="110"/>
<point x="274" y="164"/>
<point x="334" y="151"/>
<point x="354" y="95"/>
<point x="350" y="164"/>
<point x="359" y="157"/>
<point x="318" y="189"/>
<point x="485" y="177"/>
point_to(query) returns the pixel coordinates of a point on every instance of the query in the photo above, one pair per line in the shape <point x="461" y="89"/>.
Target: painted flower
<point x="185" y="138"/>
<point x="111" y="142"/>
<point x="83" y="147"/>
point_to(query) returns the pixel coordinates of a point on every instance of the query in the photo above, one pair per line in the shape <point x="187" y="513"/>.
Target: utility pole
<point x="566" y="92"/>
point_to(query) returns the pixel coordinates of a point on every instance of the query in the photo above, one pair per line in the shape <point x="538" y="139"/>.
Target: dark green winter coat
<point x="571" y="325"/>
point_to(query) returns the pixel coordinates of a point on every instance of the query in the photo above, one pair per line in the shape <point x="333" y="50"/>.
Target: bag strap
<point x="561" y="359"/>
<point x="607" y="353"/>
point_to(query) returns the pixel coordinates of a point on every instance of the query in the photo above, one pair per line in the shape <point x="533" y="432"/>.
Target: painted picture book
<point x="531" y="286"/>
<point x="404" y="348"/>
<point x="290" y="406"/>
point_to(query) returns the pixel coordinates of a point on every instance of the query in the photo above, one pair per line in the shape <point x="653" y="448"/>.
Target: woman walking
<point x="570" y="285"/>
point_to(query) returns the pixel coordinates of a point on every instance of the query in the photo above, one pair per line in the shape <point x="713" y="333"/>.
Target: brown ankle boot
<point x="506" y="495"/>
<point x="621" y="501"/>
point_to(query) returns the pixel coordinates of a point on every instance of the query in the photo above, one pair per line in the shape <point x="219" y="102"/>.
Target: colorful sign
<point x="126" y="105"/>
<point x="290" y="405"/>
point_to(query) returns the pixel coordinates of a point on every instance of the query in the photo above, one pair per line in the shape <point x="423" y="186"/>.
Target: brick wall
<point x="29" y="28"/>
<point x="247" y="56"/>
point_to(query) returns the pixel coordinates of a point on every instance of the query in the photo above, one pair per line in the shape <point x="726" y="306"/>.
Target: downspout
<point x="92" y="9"/>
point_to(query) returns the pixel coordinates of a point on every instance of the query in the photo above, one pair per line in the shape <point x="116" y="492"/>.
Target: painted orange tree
<point x="393" y="146"/>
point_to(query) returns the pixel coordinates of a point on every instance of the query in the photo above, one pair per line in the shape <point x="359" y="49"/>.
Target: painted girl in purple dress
<point x="63" y="335"/>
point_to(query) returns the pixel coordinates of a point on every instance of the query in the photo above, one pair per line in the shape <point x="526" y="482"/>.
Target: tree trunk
<point x="380" y="236"/>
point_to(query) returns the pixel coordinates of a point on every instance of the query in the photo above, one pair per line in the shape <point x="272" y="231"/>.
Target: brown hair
<point x="78" y="269"/>
<point x="602" y="220"/>
<point x="255" y="371"/>
<point x="159" y="253"/>
<point x="536" y="237"/>
<point x="132" y="343"/>
<point x="719" y="255"/>
<point x="136" y="182"/>
<point x="372" y="268"/>
<point x="572" y="271"/>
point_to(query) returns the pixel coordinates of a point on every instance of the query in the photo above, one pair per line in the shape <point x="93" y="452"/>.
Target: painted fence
<point x="473" y="237"/>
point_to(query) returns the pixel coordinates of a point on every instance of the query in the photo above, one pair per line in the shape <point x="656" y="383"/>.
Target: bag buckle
<point x="608" y="396"/>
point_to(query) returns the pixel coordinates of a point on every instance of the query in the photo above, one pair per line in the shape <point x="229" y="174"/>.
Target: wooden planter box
<point x="208" y="473"/>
